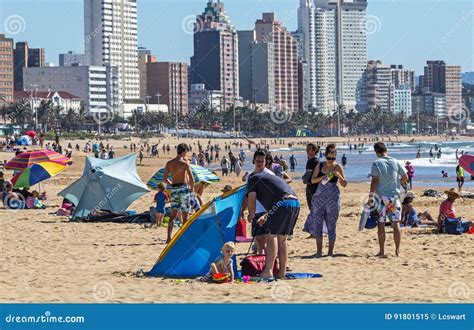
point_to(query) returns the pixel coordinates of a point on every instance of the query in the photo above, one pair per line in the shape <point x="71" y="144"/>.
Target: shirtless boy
<point x="182" y="186"/>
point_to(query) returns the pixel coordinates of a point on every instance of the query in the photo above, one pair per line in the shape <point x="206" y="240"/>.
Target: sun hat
<point x="454" y="192"/>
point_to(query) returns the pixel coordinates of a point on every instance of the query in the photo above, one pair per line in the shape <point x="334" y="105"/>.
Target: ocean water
<point x="427" y="171"/>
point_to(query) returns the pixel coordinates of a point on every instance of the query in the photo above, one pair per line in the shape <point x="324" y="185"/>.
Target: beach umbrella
<point x="36" y="173"/>
<point x="28" y="158"/>
<point x="467" y="162"/>
<point x="106" y="184"/>
<point x="30" y="133"/>
<point x="199" y="174"/>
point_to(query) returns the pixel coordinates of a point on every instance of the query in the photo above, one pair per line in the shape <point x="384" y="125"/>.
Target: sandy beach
<point x="46" y="258"/>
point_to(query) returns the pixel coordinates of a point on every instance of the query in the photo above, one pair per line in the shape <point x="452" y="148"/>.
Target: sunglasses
<point x="330" y="158"/>
<point x="229" y="251"/>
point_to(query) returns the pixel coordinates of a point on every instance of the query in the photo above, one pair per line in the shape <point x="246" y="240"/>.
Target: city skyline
<point x="167" y="30"/>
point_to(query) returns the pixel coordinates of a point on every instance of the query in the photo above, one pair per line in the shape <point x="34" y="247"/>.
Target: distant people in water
<point x="460" y="176"/>
<point x="344" y="160"/>
<point x="444" y="174"/>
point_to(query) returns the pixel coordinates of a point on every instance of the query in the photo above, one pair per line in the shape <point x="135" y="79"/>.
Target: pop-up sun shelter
<point x="111" y="184"/>
<point x="199" y="242"/>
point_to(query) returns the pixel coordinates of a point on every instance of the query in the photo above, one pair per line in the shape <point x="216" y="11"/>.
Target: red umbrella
<point x="31" y="134"/>
<point x="28" y="158"/>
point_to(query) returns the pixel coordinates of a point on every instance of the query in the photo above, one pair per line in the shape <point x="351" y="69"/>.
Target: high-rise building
<point x="335" y="49"/>
<point x="433" y="77"/>
<point x="144" y="57"/>
<point x="71" y="58"/>
<point x="401" y="76"/>
<point x="431" y="103"/>
<point x="97" y="86"/>
<point x="20" y="62"/>
<point x="453" y="90"/>
<point x="445" y="79"/>
<point x="256" y="69"/>
<point x="26" y="57"/>
<point x="379" y="89"/>
<point x="6" y="69"/>
<point x="215" y="61"/>
<point x="402" y="102"/>
<point x="285" y="60"/>
<point x="110" y="31"/>
<point x="36" y="58"/>
<point x="303" y="74"/>
<point x="167" y="83"/>
<point x="439" y="107"/>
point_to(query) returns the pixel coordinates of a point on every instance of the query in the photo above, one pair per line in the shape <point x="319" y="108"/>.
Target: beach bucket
<point x="220" y="278"/>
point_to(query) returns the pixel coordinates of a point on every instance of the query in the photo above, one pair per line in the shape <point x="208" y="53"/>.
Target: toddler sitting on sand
<point x="221" y="266"/>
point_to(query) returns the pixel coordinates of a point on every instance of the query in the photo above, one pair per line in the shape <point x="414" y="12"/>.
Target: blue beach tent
<point x="199" y="242"/>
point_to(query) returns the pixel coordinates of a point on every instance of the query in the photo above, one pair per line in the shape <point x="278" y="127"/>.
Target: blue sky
<point x="404" y="32"/>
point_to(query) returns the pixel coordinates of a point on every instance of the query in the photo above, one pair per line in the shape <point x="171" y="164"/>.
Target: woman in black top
<point x="326" y="202"/>
<point x="312" y="151"/>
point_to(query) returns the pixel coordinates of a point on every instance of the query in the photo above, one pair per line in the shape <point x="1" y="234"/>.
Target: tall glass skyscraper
<point x="335" y="47"/>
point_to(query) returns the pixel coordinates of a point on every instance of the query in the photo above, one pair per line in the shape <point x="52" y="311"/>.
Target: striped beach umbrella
<point x="36" y="173"/>
<point x="199" y="174"/>
<point x="29" y="158"/>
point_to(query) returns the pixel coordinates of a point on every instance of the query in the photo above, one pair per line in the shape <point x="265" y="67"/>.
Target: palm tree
<point x="68" y="120"/>
<point x="4" y="112"/>
<point x="45" y="113"/>
<point x="21" y="113"/>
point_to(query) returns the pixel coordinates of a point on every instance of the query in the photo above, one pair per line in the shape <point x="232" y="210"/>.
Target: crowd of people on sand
<point x="271" y="204"/>
<point x="273" y="207"/>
